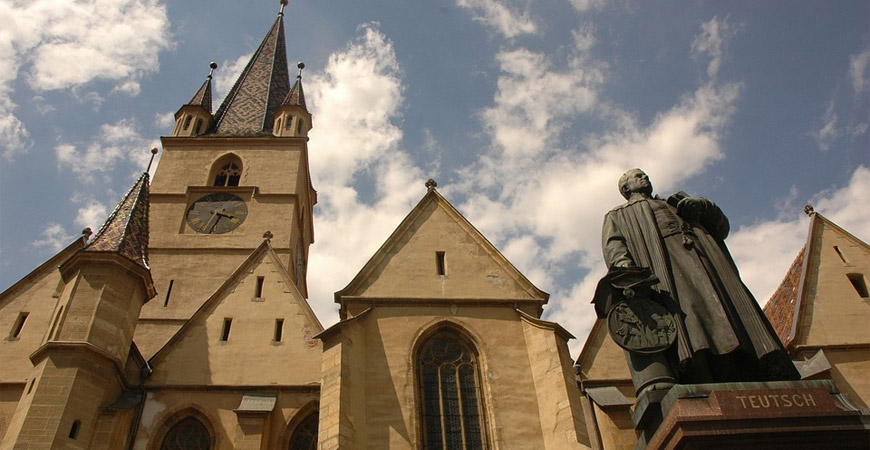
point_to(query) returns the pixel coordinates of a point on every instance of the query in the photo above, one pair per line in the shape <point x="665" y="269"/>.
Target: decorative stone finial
<point x="213" y="66"/>
<point x="268" y="235"/>
<point x="283" y="4"/>
<point x="153" y="154"/>
<point x="431" y="184"/>
<point x="300" y="65"/>
<point x="86" y="233"/>
<point x="808" y="210"/>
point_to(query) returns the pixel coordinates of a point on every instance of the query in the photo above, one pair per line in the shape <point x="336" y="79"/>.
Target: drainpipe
<point x="134" y="429"/>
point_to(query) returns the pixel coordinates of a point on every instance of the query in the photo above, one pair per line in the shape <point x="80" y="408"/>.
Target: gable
<point x="435" y="253"/>
<point x="36" y="296"/>
<point x="231" y="339"/>
<point x="831" y="310"/>
<point x="602" y="361"/>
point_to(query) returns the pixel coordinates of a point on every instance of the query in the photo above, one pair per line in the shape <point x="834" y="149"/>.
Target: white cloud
<point x="828" y="132"/>
<point x="764" y="251"/>
<point x="859" y="71"/>
<point x="119" y="39"/>
<point x="164" y="121"/>
<point x="54" y="237"/>
<point x="116" y="143"/>
<point x="359" y="94"/>
<point x="92" y="215"/>
<point x="586" y="5"/>
<point x="498" y="16"/>
<point x="714" y="36"/>
<point x="540" y="195"/>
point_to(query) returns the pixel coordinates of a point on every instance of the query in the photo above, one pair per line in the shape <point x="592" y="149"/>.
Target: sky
<point x="524" y="111"/>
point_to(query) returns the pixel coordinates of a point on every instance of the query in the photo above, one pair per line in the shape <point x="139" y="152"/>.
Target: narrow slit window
<point x="258" y="292"/>
<point x="842" y="257"/>
<point x="859" y="284"/>
<point x="439" y="263"/>
<point x="18" y="325"/>
<point x="168" y="293"/>
<point x="279" y="330"/>
<point x="74" y="429"/>
<point x="225" y="333"/>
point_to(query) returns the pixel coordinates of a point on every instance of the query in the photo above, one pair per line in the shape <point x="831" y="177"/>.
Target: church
<point x="183" y="323"/>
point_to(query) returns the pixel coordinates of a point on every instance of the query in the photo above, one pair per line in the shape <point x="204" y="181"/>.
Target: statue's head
<point x="634" y="180"/>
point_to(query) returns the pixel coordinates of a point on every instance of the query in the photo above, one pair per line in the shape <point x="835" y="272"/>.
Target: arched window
<point x="227" y="172"/>
<point x="189" y="434"/>
<point x="299" y="124"/>
<point x="450" y="407"/>
<point x="305" y="435"/>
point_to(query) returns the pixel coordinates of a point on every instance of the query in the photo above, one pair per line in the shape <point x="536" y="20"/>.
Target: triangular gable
<point x="406" y="266"/>
<point x="601" y="361"/>
<point x="47" y="267"/>
<point x="828" y="309"/>
<point x="250" y="354"/>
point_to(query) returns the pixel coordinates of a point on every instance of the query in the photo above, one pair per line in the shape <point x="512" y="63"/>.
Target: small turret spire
<point x="126" y="230"/>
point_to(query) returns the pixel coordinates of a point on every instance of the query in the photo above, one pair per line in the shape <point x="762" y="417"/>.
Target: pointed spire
<point x="203" y="95"/>
<point x="296" y="97"/>
<point x="263" y="85"/>
<point x="126" y="230"/>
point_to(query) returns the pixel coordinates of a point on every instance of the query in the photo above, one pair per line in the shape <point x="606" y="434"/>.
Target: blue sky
<point x="525" y="112"/>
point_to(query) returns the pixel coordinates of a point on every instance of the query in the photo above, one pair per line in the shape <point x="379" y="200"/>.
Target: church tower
<point x="87" y="357"/>
<point x="224" y="180"/>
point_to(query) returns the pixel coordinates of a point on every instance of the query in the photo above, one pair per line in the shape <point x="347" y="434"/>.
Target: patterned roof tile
<point x="780" y="309"/>
<point x="126" y="230"/>
<point x="261" y="88"/>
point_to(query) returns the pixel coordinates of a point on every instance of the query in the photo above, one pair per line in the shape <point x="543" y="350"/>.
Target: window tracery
<point x="449" y="392"/>
<point x="305" y="435"/>
<point x="189" y="434"/>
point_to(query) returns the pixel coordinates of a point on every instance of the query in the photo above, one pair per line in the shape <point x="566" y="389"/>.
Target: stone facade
<point x="161" y="333"/>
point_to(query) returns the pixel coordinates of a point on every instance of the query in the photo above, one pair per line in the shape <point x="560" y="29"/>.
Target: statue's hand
<point x="691" y="208"/>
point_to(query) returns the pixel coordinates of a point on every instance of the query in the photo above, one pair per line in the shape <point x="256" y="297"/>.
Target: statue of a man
<point x="721" y="333"/>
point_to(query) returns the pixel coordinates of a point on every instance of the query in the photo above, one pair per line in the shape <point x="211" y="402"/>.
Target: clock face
<point x="217" y="213"/>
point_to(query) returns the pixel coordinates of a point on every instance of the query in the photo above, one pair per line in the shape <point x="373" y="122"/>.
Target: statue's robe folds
<point x="698" y="281"/>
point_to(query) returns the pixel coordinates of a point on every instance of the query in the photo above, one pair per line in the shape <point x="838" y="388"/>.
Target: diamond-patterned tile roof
<point x="203" y="95"/>
<point x="260" y="90"/>
<point x="296" y="97"/>
<point x="780" y="309"/>
<point x="126" y="229"/>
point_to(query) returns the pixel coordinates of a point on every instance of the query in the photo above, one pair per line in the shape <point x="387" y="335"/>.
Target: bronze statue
<point x="671" y="254"/>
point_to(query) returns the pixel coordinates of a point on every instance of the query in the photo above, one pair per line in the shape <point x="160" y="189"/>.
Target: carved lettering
<point x="765" y="401"/>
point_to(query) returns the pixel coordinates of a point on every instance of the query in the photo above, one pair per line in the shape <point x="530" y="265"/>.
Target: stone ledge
<point x="776" y="415"/>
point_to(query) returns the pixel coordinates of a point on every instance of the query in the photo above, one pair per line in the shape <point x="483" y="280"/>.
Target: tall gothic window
<point x="451" y="412"/>
<point x="189" y="434"/>
<point x="305" y="435"/>
<point x="227" y="172"/>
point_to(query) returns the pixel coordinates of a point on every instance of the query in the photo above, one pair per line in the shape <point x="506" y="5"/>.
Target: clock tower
<point x="225" y="180"/>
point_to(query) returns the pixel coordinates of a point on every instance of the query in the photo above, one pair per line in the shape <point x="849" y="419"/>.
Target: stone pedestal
<point x="778" y="415"/>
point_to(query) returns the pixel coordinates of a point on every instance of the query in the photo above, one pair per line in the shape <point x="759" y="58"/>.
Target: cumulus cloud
<point x="359" y="94"/>
<point x="498" y="16"/>
<point x="92" y="215"/>
<point x="540" y="194"/>
<point x="764" y="251"/>
<point x="119" y="39"/>
<point x="116" y="143"/>
<point x="54" y="238"/>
